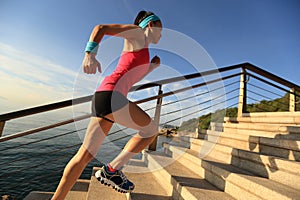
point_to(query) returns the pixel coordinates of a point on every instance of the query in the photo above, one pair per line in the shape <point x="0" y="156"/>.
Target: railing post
<point x="152" y="146"/>
<point x="2" y="124"/>
<point x="292" y="100"/>
<point x="242" y="108"/>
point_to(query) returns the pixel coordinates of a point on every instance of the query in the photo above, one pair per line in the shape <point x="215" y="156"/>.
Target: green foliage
<point x="277" y="105"/>
<point x="204" y="121"/>
<point x="297" y="101"/>
<point x="231" y="112"/>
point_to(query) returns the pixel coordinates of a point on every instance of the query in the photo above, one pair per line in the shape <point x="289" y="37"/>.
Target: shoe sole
<point x="107" y="182"/>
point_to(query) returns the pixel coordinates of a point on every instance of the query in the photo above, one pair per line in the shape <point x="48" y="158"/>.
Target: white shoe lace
<point x="123" y="176"/>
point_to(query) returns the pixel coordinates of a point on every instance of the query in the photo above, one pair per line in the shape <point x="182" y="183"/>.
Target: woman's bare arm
<point x="127" y="31"/>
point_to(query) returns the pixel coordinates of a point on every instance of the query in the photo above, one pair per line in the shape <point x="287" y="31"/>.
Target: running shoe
<point x="115" y="179"/>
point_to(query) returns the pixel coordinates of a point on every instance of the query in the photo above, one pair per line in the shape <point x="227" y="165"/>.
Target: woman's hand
<point x="155" y="62"/>
<point x="90" y="64"/>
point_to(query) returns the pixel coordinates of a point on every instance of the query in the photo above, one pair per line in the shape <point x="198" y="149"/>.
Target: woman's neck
<point x="135" y="45"/>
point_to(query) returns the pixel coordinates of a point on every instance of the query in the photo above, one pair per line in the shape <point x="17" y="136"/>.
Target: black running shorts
<point x="107" y="102"/>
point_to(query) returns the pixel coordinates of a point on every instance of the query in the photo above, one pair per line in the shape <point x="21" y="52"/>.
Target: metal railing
<point x="27" y="155"/>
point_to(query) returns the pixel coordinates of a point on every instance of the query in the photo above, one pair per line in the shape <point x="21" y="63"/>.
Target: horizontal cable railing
<point x="29" y="157"/>
<point x="31" y="111"/>
<point x="267" y="96"/>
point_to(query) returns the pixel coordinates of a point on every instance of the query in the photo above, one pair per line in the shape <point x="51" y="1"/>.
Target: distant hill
<point x="189" y="125"/>
<point x="203" y="122"/>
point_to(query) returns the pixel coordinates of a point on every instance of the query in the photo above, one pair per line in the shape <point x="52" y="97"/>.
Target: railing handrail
<point x="62" y="104"/>
<point x="43" y="108"/>
<point x="67" y="103"/>
<point x="191" y="76"/>
<point x="271" y="76"/>
<point x="147" y="99"/>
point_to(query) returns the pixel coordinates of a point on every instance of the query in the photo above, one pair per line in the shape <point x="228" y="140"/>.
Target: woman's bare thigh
<point x="96" y="132"/>
<point x="131" y="116"/>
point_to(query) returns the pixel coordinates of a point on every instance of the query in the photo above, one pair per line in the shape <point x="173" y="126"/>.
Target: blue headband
<point x="143" y="24"/>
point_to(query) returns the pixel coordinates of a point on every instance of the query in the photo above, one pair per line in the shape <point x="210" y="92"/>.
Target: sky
<point x="42" y="42"/>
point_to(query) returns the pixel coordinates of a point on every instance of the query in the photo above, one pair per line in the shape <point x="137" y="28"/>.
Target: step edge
<point x="239" y="176"/>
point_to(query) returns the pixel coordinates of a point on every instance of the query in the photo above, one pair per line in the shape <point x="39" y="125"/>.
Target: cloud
<point x="29" y="80"/>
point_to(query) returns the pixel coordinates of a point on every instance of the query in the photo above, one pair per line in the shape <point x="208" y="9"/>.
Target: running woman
<point x="110" y="103"/>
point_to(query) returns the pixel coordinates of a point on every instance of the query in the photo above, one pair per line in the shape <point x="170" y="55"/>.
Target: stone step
<point x="268" y="117"/>
<point x="282" y="131"/>
<point x="239" y="183"/>
<point x="271" y="127"/>
<point x="38" y="195"/>
<point x="146" y="187"/>
<point x="284" y="171"/>
<point x="267" y="166"/>
<point x="213" y="149"/>
<point x="294" y="129"/>
<point x="180" y="182"/>
<point x="78" y="192"/>
<point x="280" y="143"/>
<point x="289" y="149"/>
<point x="280" y="147"/>
<point x="261" y="133"/>
<point x="182" y="140"/>
<point x="266" y="130"/>
<point x="278" y="127"/>
<point x="236" y="140"/>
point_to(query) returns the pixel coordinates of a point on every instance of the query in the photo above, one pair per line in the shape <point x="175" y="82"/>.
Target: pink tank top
<point x="132" y="67"/>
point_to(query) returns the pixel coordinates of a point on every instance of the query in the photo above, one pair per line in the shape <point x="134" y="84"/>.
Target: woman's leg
<point x="95" y="134"/>
<point x="134" y="117"/>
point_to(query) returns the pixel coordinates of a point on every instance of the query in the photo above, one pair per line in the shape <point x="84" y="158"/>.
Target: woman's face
<point x="156" y="29"/>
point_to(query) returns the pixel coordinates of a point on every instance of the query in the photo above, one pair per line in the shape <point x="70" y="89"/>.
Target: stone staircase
<point x="256" y="156"/>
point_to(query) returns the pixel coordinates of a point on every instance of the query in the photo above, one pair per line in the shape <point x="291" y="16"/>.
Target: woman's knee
<point x="84" y="155"/>
<point x="149" y="131"/>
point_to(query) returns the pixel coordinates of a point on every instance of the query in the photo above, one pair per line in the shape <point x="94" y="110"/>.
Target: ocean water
<point x="36" y="163"/>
